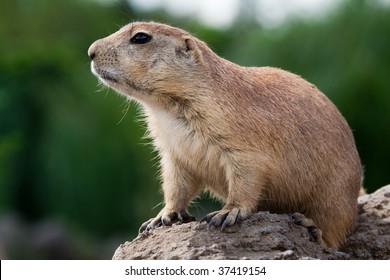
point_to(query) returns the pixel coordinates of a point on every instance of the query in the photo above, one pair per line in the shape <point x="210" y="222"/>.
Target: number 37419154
<point x="241" y="270"/>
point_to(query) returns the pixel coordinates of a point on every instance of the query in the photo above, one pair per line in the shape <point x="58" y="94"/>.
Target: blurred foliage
<point x="67" y="150"/>
<point x="72" y="150"/>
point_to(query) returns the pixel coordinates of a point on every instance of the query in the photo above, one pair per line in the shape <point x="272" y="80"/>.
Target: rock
<point x="371" y="239"/>
<point x="266" y="236"/>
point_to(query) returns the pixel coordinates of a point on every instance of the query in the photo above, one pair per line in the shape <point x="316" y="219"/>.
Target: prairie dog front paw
<point x="167" y="218"/>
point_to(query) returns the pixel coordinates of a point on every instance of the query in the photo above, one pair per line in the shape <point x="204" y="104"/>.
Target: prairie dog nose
<point x="92" y="49"/>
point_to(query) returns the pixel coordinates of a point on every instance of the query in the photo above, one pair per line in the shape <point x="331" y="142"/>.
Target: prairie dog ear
<point x="191" y="48"/>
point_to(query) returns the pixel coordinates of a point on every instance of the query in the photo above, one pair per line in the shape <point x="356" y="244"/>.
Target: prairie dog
<point x="258" y="138"/>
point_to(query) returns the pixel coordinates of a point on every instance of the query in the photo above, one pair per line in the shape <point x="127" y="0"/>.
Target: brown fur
<point x="257" y="138"/>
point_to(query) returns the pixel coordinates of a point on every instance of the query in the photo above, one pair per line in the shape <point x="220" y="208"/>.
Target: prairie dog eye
<point x="140" y="38"/>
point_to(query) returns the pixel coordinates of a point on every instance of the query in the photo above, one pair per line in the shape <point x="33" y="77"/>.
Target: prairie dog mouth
<point x="108" y="77"/>
<point x="103" y="74"/>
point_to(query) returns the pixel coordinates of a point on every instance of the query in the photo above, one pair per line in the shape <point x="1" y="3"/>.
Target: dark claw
<point x="186" y="218"/>
<point x="144" y="226"/>
<point x="315" y="233"/>
<point x="229" y="221"/>
<point x="298" y="218"/>
<point x="204" y="219"/>
<point x="208" y="217"/>
<point x="170" y="220"/>
<point x="142" y="229"/>
<point x="218" y="220"/>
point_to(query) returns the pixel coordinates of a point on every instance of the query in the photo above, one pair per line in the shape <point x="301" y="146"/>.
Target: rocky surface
<point x="266" y="236"/>
<point x="371" y="240"/>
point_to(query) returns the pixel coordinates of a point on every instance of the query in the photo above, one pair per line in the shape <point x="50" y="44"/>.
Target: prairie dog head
<point x="143" y="60"/>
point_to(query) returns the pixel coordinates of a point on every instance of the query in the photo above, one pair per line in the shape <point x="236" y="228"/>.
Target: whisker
<point x="125" y="111"/>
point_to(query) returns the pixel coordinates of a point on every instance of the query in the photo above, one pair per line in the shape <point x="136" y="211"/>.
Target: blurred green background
<point x="76" y="177"/>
